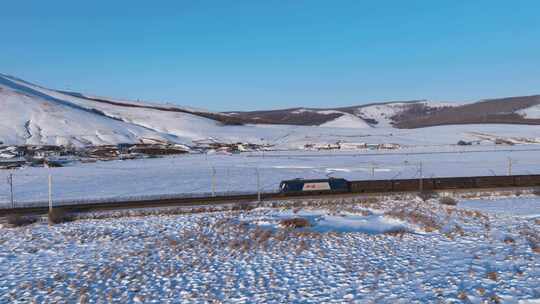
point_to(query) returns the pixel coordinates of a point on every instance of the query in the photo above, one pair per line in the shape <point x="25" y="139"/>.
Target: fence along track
<point x="372" y="188"/>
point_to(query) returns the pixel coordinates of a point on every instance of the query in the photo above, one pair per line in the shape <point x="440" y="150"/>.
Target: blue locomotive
<point x="338" y="185"/>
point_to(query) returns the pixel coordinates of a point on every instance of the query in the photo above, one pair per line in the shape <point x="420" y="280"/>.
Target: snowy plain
<point x="446" y="254"/>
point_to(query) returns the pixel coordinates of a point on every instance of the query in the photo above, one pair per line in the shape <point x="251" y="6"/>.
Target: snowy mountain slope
<point x="489" y="111"/>
<point x="35" y="115"/>
<point x="163" y="123"/>
<point x="27" y="118"/>
<point x="530" y="112"/>
<point x="31" y="114"/>
<point x="346" y="120"/>
<point x="409" y="114"/>
<point x="384" y="113"/>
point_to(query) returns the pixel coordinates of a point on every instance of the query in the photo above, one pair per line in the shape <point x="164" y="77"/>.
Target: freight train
<point x="340" y="185"/>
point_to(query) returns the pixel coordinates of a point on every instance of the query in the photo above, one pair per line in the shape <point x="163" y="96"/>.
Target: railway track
<point x="171" y="202"/>
<point x="229" y="199"/>
<point x="348" y="188"/>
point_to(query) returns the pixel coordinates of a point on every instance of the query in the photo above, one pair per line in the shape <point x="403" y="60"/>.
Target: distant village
<point x="352" y="146"/>
<point x="16" y="156"/>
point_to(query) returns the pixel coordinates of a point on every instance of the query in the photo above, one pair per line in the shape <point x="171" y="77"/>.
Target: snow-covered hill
<point x="347" y="120"/>
<point x="32" y="114"/>
<point x="35" y="115"/>
<point x="30" y="117"/>
<point x="383" y="114"/>
<point x="530" y="112"/>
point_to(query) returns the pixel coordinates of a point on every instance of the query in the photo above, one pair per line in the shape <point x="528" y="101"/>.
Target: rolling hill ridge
<point x="32" y="114"/>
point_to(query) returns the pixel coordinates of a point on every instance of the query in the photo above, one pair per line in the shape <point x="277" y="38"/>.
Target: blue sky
<point x="234" y="55"/>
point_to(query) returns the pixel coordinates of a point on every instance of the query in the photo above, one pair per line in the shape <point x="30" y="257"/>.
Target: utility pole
<point x="50" y="193"/>
<point x="10" y="181"/>
<point x="228" y="181"/>
<point x="213" y="181"/>
<point x="372" y="170"/>
<point x="509" y="166"/>
<point x="258" y="185"/>
<point x="421" y="171"/>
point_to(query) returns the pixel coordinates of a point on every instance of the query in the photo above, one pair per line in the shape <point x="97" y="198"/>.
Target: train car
<point x="427" y="184"/>
<point x="338" y="185"/>
<point x="406" y="185"/>
<point x="366" y="186"/>
<point x="446" y="183"/>
<point x="494" y="181"/>
<point x="526" y="180"/>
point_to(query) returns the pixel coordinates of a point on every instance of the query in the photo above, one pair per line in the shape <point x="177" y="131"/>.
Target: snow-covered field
<point x="200" y="174"/>
<point x="398" y="250"/>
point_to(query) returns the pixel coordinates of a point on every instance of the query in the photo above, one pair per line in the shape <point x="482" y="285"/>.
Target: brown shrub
<point x="297" y="222"/>
<point x="18" y="220"/>
<point x="492" y="275"/>
<point x="370" y="202"/>
<point x="399" y="231"/>
<point x="302" y="246"/>
<point x="307" y="234"/>
<point x="426" y="195"/>
<point x="59" y="215"/>
<point x="509" y="240"/>
<point x="427" y="221"/>
<point x="474" y="214"/>
<point x="244" y="206"/>
<point x="495" y="299"/>
<point x="261" y="236"/>
<point x="533" y="238"/>
<point x="235" y="244"/>
<point x="300" y="204"/>
<point x="446" y="200"/>
<point x="282" y="236"/>
<point x="462" y="295"/>
<point x="172" y="242"/>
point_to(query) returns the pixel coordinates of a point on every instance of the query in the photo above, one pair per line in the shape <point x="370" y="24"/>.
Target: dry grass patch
<point x="426" y="195"/>
<point x="447" y="200"/>
<point x="415" y="216"/>
<point x="533" y="238"/>
<point x="399" y="232"/>
<point x="262" y="236"/>
<point x="18" y="220"/>
<point x="509" y="240"/>
<point x="59" y="215"/>
<point x="295" y="223"/>
<point x="492" y="275"/>
<point x="495" y="299"/>
<point x="474" y="214"/>
<point x="475" y="195"/>
<point x="242" y="207"/>
<point x="462" y="295"/>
